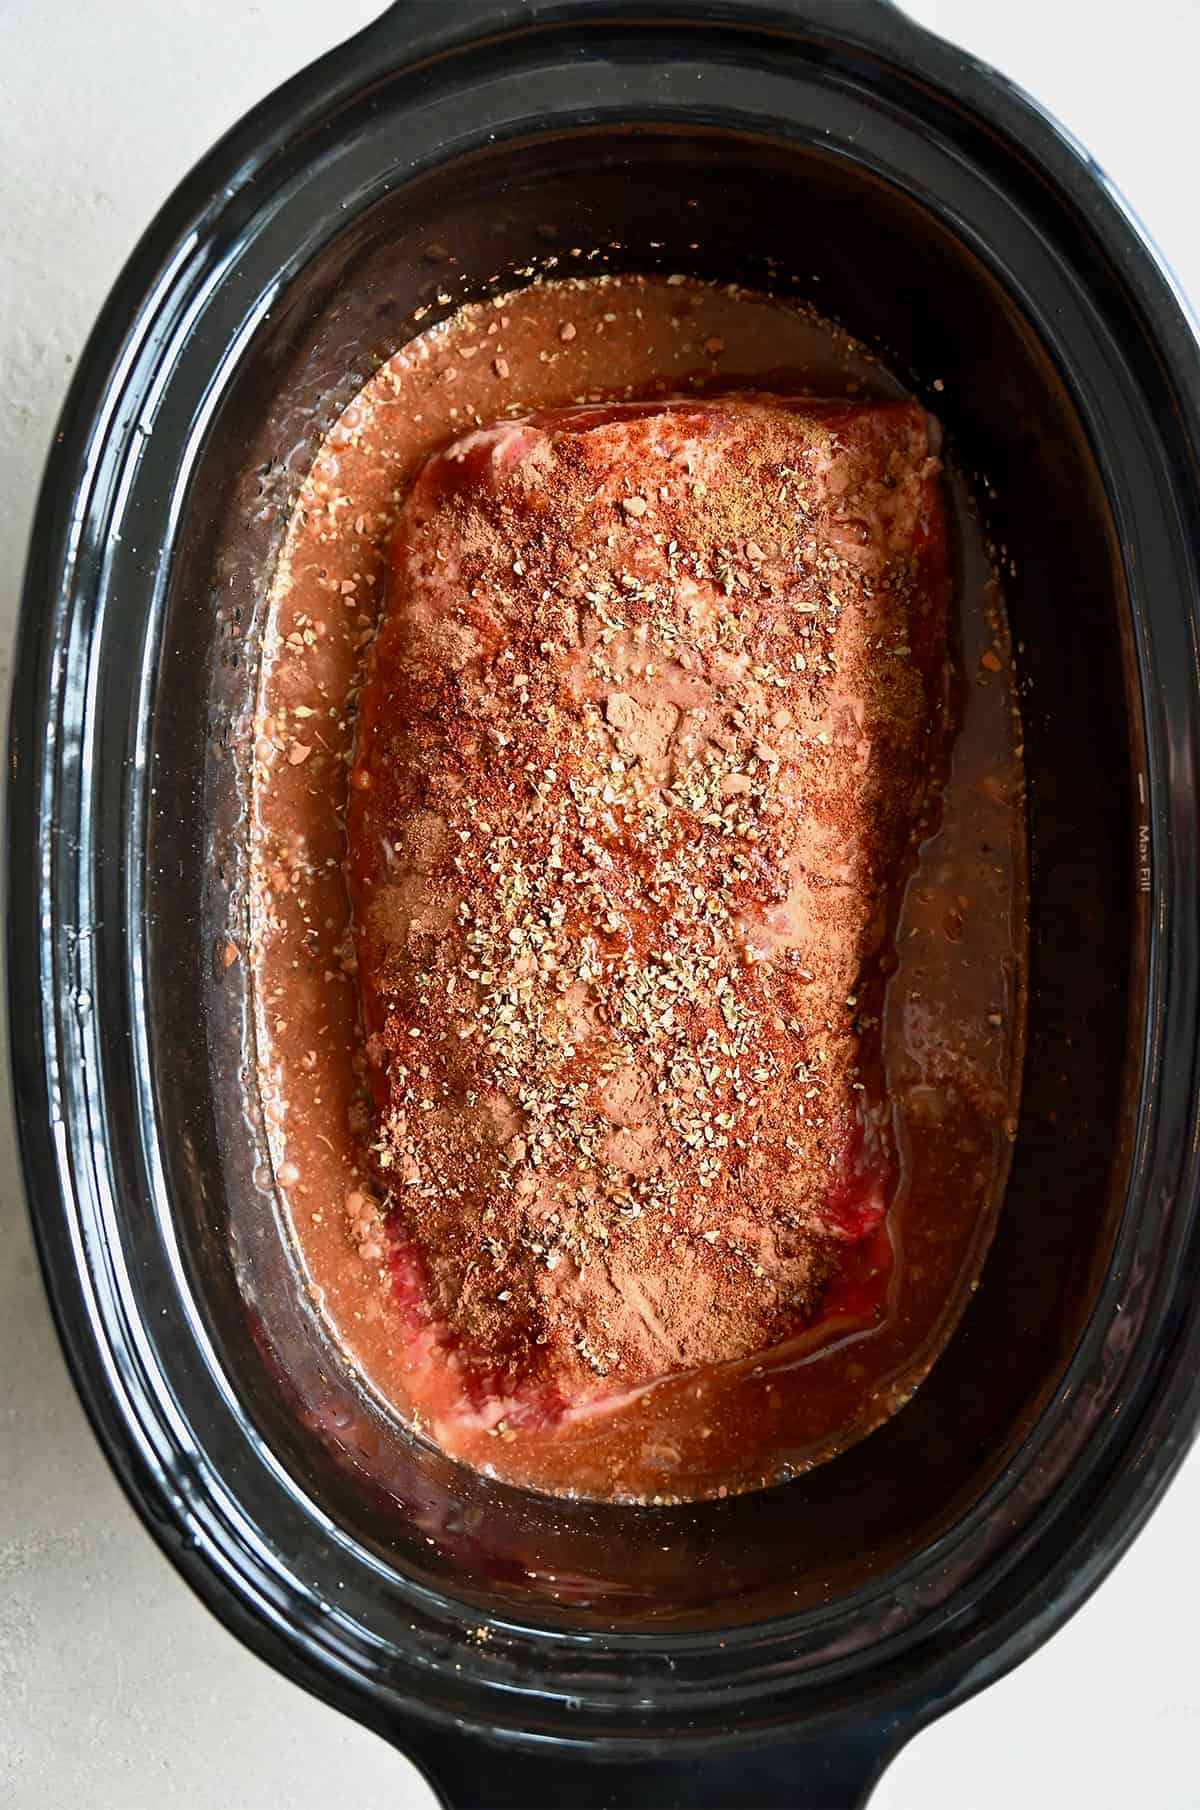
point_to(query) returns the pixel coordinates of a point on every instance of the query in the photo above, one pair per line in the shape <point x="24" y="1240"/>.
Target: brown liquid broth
<point x="953" y="1023"/>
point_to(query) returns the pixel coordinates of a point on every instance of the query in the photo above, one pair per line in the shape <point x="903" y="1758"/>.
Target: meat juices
<point x="859" y="1299"/>
<point x="650" y="718"/>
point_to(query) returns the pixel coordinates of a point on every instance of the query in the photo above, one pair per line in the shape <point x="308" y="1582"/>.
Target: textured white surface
<point x="117" y="1690"/>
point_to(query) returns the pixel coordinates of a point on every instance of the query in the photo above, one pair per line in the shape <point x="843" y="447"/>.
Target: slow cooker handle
<point x="825" y="1772"/>
<point x="399" y="15"/>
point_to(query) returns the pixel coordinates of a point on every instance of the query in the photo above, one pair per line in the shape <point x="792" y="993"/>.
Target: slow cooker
<point x="776" y="1648"/>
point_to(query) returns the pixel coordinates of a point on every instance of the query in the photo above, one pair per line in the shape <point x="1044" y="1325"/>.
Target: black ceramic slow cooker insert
<point x="778" y="1648"/>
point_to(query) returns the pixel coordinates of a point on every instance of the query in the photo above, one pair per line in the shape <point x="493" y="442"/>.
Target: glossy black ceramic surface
<point x="778" y="1648"/>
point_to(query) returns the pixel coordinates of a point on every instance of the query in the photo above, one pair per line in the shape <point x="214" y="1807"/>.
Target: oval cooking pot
<point x="778" y="1648"/>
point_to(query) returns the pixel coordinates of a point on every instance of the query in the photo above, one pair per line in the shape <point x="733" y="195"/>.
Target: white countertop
<point x="117" y="1690"/>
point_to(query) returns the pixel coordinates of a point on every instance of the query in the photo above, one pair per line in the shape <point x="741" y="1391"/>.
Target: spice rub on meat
<point x="645" y="740"/>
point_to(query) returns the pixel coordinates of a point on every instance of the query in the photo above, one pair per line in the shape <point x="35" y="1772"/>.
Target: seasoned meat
<point x="645" y="741"/>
